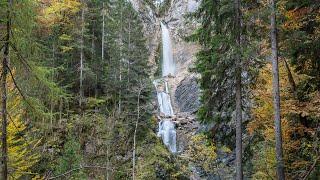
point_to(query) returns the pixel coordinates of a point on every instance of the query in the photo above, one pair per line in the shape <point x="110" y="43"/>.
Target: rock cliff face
<point x="151" y="24"/>
<point x="184" y="89"/>
<point x="187" y="95"/>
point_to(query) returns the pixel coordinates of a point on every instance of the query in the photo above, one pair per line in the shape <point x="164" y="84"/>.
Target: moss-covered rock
<point x="156" y="162"/>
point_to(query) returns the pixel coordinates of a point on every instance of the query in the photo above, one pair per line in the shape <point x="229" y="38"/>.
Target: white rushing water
<point x="168" y="134"/>
<point x="163" y="96"/>
<point x="167" y="129"/>
<point x="168" y="65"/>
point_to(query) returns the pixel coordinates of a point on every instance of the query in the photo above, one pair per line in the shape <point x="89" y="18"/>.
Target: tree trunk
<point x="129" y="50"/>
<point x="4" y="174"/>
<point x="96" y="65"/>
<point x="81" y="58"/>
<point x="134" y="138"/>
<point x="276" y="93"/>
<point x="239" y="173"/>
<point x="103" y="33"/>
<point x="291" y="79"/>
<point x="120" y="61"/>
<point x="52" y="79"/>
<point x="102" y="60"/>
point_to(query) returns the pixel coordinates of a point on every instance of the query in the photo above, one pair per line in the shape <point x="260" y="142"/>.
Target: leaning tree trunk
<point x="291" y="79"/>
<point x="4" y="173"/>
<point x="239" y="173"/>
<point x="276" y="93"/>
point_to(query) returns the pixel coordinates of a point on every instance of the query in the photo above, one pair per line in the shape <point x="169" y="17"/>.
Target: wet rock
<point x="187" y="95"/>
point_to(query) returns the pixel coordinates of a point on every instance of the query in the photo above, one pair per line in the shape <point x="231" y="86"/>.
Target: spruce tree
<point x="224" y="80"/>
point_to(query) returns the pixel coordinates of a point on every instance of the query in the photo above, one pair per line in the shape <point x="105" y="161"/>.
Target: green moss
<point x="155" y="161"/>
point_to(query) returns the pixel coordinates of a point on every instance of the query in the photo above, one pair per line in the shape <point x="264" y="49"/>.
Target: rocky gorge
<point x="183" y="88"/>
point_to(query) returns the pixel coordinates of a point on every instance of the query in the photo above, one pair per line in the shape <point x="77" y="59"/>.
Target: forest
<point x="160" y="89"/>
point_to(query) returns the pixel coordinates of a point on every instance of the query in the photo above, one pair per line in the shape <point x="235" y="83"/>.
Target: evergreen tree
<point x="217" y="62"/>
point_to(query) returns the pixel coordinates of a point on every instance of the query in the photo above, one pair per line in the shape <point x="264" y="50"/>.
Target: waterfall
<point x="164" y="99"/>
<point x="166" y="129"/>
<point x="168" y="134"/>
<point x="168" y="65"/>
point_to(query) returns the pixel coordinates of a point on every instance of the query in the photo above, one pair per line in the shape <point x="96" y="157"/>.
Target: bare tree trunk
<point x="108" y="162"/>
<point x="121" y="58"/>
<point x="52" y="79"/>
<point x="81" y="58"/>
<point x="102" y="59"/>
<point x="276" y="93"/>
<point x="4" y="73"/>
<point x="239" y="171"/>
<point x="103" y="33"/>
<point x="96" y="65"/>
<point x="129" y="50"/>
<point x="134" y="138"/>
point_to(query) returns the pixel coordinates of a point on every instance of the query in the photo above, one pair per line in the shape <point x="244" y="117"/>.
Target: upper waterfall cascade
<point x="167" y="129"/>
<point x="168" y="64"/>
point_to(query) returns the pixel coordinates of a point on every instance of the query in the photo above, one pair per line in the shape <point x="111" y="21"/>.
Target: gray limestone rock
<point x="187" y="95"/>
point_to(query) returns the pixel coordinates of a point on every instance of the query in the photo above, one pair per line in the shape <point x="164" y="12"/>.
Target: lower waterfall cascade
<point x="166" y="128"/>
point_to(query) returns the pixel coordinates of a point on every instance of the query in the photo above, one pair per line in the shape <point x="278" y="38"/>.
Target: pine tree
<point x="227" y="62"/>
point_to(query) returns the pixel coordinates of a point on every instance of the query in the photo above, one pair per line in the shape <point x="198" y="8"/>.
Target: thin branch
<point x="21" y="58"/>
<point x="23" y="172"/>
<point x="311" y="169"/>
<point x="77" y="169"/>
<point x="19" y="90"/>
<point x="1" y="48"/>
<point x="290" y="78"/>
<point x="66" y="173"/>
<point x="14" y="124"/>
<point x="24" y="61"/>
<point x="16" y="127"/>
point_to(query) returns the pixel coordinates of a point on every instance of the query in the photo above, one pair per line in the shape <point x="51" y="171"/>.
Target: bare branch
<point x="18" y="88"/>
<point x="1" y="48"/>
<point x="311" y="169"/>
<point x="21" y="58"/>
<point x="77" y="169"/>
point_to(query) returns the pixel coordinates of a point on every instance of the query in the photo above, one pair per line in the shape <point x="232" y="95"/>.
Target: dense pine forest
<point x="160" y="89"/>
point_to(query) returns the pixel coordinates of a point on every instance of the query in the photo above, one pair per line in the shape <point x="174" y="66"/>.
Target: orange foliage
<point x="53" y="12"/>
<point x="294" y="132"/>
